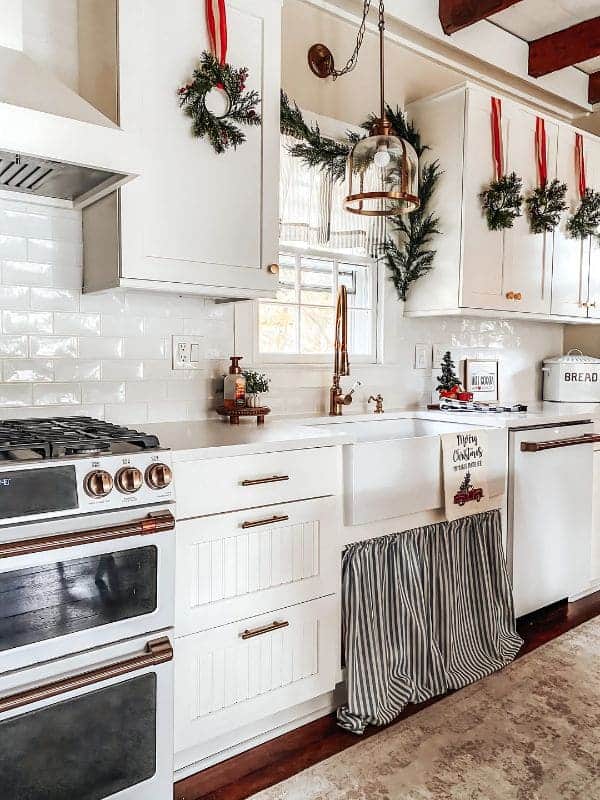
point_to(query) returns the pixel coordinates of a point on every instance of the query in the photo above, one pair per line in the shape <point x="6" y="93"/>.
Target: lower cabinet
<point x="595" y="553"/>
<point x="230" y="677"/>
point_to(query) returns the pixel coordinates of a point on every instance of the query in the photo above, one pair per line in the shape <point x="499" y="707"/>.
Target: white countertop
<point x="217" y="438"/>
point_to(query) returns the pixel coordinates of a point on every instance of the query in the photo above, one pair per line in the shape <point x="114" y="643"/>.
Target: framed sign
<point x="481" y="378"/>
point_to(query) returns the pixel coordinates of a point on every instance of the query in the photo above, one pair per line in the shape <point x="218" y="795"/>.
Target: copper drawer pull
<point x="274" y="626"/>
<point x="269" y="521"/>
<point x="153" y="523"/>
<point x="260" y="481"/>
<point x="157" y="651"/>
<point x="535" y="447"/>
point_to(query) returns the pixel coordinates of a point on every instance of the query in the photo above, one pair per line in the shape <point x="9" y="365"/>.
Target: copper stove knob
<point x="129" y="480"/>
<point x="98" y="483"/>
<point x="159" y="476"/>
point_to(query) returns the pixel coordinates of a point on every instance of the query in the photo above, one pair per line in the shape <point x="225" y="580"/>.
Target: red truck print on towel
<point x="467" y="492"/>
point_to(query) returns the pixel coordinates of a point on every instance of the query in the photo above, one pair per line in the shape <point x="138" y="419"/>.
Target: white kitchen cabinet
<point x="230" y="564"/>
<point x="593" y="179"/>
<point x="595" y="549"/>
<point x="193" y="221"/>
<point x="503" y="272"/>
<point x="233" y="677"/>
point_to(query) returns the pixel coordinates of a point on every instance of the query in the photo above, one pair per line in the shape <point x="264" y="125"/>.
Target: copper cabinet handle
<point x="518" y="296"/>
<point x="157" y="651"/>
<point x="274" y="626"/>
<point x="535" y="447"/>
<point x="269" y="521"/>
<point x="510" y="295"/>
<point x="153" y="523"/>
<point x="261" y="481"/>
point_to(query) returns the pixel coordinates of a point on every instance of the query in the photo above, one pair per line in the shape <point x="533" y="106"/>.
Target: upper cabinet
<point x="514" y="270"/>
<point x="194" y="221"/>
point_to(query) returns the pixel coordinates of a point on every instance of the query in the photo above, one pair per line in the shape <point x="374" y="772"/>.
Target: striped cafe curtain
<point x="423" y="612"/>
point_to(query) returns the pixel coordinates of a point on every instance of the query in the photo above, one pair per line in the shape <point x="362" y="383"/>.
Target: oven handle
<point x="535" y="447"/>
<point x="157" y="651"/>
<point x="153" y="523"/>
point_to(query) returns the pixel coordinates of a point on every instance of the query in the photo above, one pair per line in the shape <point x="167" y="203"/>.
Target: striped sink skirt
<point x="423" y="612"/>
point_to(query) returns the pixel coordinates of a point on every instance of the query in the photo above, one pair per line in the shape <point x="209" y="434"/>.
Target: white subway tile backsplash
<point x="15" y="395"/>
<point x="146" y="347"/>
<point x="27" y="370"/>
<point x="53" y="251"/>
<point x="13" y="247"/>
<point x="26" y="322"/>
<point x="53" y="346"/>
<point x="122" y="370"/>
<point x="101" y="347"/>
<point x="54" y="299"/>
<point x="26" y="274"/>
<point x="123" y="324"/>
<point x="76" y="369"/>
<point x="103" y="392"/>
<point x="56" y="394"/>
<point x="81" y="324"/>
<point x="14" y="297"/>
<point x="13" y="346"/>
<point x="138" y="391"/>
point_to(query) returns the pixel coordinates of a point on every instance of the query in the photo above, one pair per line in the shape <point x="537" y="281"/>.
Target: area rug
<point x="529" y="732"/>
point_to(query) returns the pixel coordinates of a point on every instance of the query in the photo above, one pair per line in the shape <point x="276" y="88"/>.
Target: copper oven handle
<point x="535" y="447"/>
<point x="260" y="481"/>
<point x="269" y="521"/>
<point x="274" y="626"/>
<point x="157" y="651"/>
<point x="153" y="523"/>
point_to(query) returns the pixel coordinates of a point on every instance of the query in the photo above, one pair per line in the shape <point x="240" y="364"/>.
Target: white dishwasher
<point x="549" y="512"/>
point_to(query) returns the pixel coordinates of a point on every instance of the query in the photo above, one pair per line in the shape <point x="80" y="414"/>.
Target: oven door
<point x="93" y="726"/>
<point x="64" y="589"/>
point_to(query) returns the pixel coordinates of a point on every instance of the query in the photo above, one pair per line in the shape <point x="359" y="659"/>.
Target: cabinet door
<point x="482" y="280"/>
<point x="527" y="256"/>
<point x="593" y="181"/>
<point x="571" y="256"/>
<point x="195" y="216"/>
<point x="595" y="550"/>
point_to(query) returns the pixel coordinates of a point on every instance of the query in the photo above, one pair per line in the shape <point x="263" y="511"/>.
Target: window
<point x="299" y="323"/>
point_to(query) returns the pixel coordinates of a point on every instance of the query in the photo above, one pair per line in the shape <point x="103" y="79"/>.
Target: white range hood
<point x="53" y="143"/>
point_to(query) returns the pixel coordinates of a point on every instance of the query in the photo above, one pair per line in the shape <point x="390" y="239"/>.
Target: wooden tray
<point x="234" y="414"/>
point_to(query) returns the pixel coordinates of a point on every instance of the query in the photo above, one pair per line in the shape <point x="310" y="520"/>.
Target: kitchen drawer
<point x="224" y="682"/>
<point x="229" y="484"/>
<point x="230" y="565"/>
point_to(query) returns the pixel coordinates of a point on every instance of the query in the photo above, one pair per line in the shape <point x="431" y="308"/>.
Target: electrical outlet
<point x="423" y="356"/>
<point x="188" y="352"/>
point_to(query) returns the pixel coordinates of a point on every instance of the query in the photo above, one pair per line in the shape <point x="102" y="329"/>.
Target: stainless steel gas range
<point x="87" y="561"/>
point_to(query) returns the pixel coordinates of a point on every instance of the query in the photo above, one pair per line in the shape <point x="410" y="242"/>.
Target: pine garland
<point x="545" y="205"/>
<point x="586" y="220"/>
<point x="407" y="254"/>
<point x="502" y="201"/>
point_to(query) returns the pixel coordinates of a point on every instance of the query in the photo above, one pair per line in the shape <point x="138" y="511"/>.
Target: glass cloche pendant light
<point x="383" y="170"/>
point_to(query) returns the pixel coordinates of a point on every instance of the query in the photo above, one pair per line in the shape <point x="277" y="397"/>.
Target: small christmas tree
<point x="466" y="484"/>
<point x="448" y="379"/>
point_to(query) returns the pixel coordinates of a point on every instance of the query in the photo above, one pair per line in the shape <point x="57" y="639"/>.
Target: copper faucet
<point x="341" y="362"/>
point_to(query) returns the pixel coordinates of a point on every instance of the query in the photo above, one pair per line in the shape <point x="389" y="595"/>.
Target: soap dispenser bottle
<point x="234" y="388"/>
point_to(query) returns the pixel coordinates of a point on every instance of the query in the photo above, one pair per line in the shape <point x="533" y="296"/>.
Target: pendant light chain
<point x="381" y="58"/>
<point x="352" y="61"/>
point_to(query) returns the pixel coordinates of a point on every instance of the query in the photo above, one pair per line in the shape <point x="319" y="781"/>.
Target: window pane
<point x="360" y="333"/>
<point x="316" y="328"/>
<point x="316" y="279"/>
<point x="358" y="280"/>
<point x="278" y="328"/>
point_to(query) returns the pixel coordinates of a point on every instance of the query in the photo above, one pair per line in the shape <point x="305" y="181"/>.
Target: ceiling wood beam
<point x="594" y="91"/>
<point x="458" y="14"/>
<point x="564" y="48"/>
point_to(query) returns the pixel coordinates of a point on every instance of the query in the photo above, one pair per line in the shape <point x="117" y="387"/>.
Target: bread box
<point x="573" y="378"/>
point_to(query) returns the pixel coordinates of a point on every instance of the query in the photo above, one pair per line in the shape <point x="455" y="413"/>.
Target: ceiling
<point x="532" y="19"/>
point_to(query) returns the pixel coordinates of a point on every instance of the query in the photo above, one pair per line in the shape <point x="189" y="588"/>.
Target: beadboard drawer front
<point x="224" y="682"/>
<point x="225" y="571"/>
<point x="230" y="484"/>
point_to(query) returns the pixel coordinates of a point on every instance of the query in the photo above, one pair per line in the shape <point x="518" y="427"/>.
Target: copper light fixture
<point x="383" y="170"/>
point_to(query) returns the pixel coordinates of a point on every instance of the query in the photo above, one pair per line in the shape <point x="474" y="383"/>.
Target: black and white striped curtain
<point x="423" y="612"/>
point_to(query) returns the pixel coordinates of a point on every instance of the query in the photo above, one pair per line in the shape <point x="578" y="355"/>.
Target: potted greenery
<point x="257" y="383"/>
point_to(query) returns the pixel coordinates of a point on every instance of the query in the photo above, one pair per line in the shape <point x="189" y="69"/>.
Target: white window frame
<point x="326" y="359"/>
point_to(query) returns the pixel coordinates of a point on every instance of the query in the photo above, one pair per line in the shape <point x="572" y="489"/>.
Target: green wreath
<point x="586" y="220"/>
<point x="222" y="131"/>
<point x="545" y="205"/>
<point x="502" y="201"/>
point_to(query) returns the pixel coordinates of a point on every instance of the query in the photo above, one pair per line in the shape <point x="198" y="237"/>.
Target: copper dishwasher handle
<point x="153" y="523"/>
<point x="269" y="521"/>
<point x="535" y="447"/>
<point x="274" y="626"/>
<point x="261" y="481"/>
<point x="157" y="651"/>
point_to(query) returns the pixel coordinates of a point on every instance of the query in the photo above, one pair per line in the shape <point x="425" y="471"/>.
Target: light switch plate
<point x="423" y="356"/>
<point x="188" y="352"/>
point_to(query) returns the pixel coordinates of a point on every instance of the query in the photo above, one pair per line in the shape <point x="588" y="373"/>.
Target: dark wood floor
<point x="274" y="761"/>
